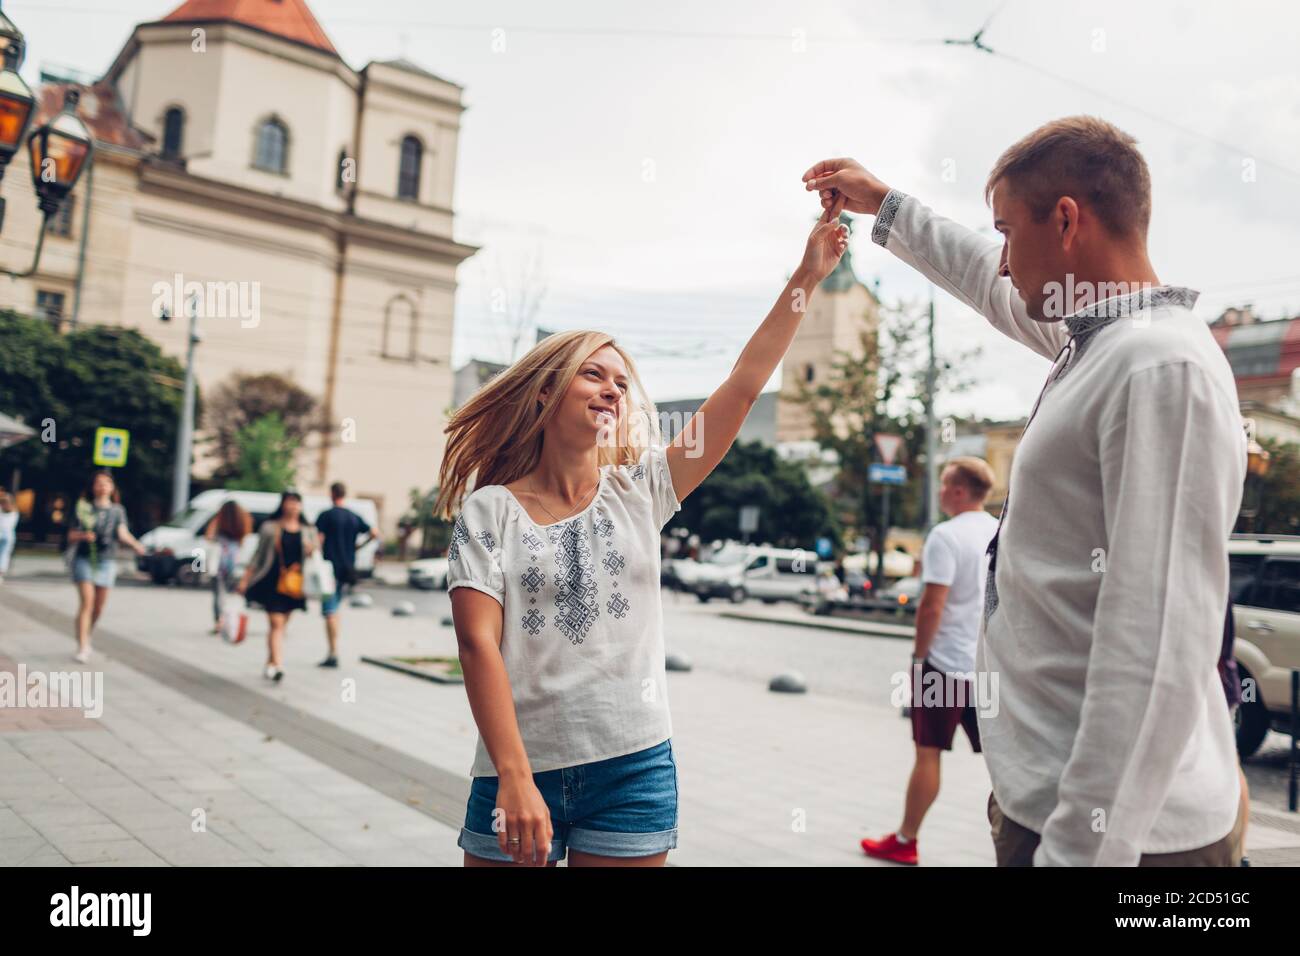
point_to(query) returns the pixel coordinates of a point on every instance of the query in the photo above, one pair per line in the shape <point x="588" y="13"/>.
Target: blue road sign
<point x="886" y="474"/>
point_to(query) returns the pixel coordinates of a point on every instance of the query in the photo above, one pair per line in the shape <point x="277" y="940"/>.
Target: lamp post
<point x="59" y="150"/>
<point x="16" y="104"/>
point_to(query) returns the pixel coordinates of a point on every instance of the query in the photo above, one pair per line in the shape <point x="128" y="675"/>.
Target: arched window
<point x="173" y="133"/>
<point x="399" y="329"/>
<point x="271" y="149"/>
<point x="408" y="174"/>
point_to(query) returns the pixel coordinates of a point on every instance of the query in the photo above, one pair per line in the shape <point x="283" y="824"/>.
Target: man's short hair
<point x="974" y="474"/>
<point x="1083" y="157"/>
<point x="337" y="490"/>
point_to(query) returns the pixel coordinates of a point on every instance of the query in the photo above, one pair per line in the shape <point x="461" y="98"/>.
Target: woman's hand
<point x="79" y="536"/>
<point x="242" y="586"/>
<point x="835" y="178"/>
<point x="526" y="818"/>
<point x="827" y="243"/>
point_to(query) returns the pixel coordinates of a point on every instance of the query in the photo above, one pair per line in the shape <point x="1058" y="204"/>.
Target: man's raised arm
<point x="955" y="258"/>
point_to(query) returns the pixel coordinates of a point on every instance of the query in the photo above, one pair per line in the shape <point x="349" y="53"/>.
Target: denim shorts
<point x="624" y="806"/>
<point x="102" y="575"/>
<point x="329" y="604"/>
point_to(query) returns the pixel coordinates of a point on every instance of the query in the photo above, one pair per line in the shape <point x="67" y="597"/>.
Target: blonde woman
<point x="554" y="584"/>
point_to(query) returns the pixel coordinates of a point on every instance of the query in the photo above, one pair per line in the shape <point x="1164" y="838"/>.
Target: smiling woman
<point x="553" y="572"/>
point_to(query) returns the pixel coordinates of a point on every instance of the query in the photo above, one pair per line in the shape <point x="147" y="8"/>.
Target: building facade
<point x="302" y="209"/>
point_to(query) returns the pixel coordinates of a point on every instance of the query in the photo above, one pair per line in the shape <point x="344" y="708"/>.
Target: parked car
<point x="171" y="549"/>
<point x="769" y="574"/>
<point x="427" y="574"/>
<point x="1264" y="581"/>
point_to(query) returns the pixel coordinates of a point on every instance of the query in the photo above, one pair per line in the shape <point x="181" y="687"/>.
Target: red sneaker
<point x="891" y="849"/>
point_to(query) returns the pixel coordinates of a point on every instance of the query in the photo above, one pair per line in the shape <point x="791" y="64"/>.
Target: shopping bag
<point x="319" y="580"/>
<point x="234" y="619"/>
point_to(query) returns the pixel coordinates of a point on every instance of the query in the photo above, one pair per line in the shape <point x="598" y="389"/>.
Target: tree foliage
<point x="791" y="512"/>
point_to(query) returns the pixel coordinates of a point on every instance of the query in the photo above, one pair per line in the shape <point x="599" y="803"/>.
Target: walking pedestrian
<point x="554" y="583"/>
<point x="953" y="569"/>
<point x="339" y="529"/>
<point x="273" y="580"/>
<point x="8" y="531"/>
<point x="227" y="530"/>
<point x="99" y="526"/>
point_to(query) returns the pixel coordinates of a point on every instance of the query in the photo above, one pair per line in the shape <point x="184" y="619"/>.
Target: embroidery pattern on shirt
<point x="638" y="472"/>
<point x="576" y="597"/>
<point x="885" y="217"/>
<point x="603" y="524"/>
<point x="1088" y="321"/>
<point x="618" y="605"/>
<point x="534" y="621"/>
<point x="614" y="562"/>
<point x="487" y="540"/>
<point x="532" y="579"/>
<point x="459" y="536"/>
<point x="532" y="542"/>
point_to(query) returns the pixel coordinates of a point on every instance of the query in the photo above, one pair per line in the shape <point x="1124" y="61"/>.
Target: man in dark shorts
<point x="953" y="569"/>
<point x="340" y="529"/>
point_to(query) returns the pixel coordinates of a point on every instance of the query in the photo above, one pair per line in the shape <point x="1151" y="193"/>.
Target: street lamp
<point x="11" y="36"/>
<point x="59" y="151"/>
<point x="16" y="103"/>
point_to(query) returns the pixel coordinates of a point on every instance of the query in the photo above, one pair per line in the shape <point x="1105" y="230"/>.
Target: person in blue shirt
<point x="340" y="529"/>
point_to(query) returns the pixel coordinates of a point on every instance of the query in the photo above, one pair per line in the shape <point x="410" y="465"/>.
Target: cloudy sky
<point x="646" y="159"/>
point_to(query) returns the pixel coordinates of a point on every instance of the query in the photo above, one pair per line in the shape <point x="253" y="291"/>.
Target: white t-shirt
<point x="954" y="555"/>
<point x="582" y="622"/>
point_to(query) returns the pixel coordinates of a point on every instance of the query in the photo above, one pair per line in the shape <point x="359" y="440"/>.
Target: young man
<point x="340" y="528"/>
<point x="953" y="566"/>
<point x="1109" y="576"/>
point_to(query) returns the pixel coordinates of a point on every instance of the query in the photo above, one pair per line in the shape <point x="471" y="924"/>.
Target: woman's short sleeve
<point x="474" y="556"/>
<point x="654" y="465"/>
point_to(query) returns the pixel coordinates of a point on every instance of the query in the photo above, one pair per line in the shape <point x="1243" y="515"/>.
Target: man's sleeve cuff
<point x="885" y="217"/>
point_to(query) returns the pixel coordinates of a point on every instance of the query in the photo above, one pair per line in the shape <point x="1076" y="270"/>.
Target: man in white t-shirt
<point x="953" y="569"/>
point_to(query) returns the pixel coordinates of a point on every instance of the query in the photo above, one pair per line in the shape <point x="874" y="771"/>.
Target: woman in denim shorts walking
<point x="554" y="582"/>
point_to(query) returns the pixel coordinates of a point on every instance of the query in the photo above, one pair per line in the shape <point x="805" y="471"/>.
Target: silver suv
<point x="1264" y="581"/>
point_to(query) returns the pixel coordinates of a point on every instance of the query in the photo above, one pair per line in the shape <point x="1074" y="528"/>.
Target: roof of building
<point x="1269" y="349"/>
<point x="289" y="19"/>
<point x="100" y="108"/>
<point x="401" y="63"/>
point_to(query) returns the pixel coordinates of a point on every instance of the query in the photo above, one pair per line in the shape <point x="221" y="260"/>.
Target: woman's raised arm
<point x="714" y="427"/>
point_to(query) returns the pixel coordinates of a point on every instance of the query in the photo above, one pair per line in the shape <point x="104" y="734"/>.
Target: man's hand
<point x="832" y="178"/>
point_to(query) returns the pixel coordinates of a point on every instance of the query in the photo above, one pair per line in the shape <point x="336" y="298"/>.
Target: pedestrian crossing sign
<point x="110" y="446"/>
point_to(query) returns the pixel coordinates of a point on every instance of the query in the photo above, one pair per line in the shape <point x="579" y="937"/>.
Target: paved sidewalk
<point x="766" y="779"/>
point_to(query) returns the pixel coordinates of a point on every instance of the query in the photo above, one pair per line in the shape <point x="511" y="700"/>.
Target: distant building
<point x="759" y="424"/>
<point x="472" y="376"/>
<point x="236" y="149"/>
<point x="838" y="316"/>
<point x="1263" y="353"/>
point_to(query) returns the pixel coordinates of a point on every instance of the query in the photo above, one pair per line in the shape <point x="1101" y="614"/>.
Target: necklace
<point x="551" y="513"/>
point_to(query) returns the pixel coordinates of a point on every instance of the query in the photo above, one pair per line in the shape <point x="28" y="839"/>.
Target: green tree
<point x="65" y="386"/>
<point x="242" y="399"/>
<point x="265" y="456"/>
<point x="791" y="512"/>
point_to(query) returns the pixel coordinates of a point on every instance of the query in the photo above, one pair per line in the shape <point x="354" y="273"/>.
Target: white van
<point x="769" y="574"/>
<point x="173" y="550"/>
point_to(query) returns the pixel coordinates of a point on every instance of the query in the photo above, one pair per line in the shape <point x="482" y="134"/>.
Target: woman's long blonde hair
<point x="496" y="437"/>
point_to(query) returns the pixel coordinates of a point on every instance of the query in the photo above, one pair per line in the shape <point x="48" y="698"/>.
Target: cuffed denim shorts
<point x="624" y="806"/>
<point x="102" y="575"/>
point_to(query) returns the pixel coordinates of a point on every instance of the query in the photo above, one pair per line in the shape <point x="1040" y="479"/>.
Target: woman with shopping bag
<point x="274" y="579"/>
